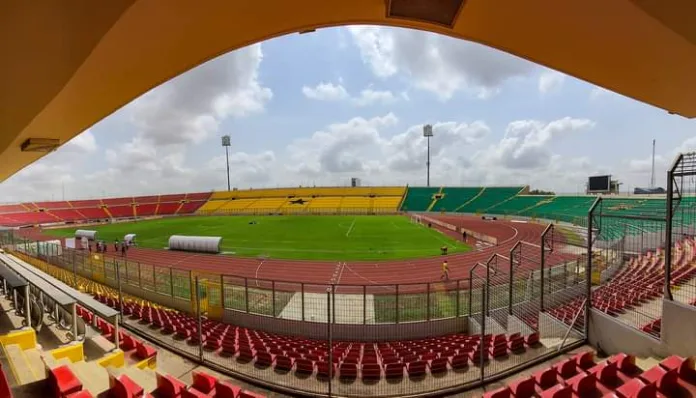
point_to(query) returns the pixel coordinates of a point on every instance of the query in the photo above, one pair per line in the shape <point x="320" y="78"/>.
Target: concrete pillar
<point x="28" y="305"/>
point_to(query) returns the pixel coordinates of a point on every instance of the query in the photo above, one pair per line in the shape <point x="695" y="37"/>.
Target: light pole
<point x="226" y="144"/>
<point x="427" y="133"/>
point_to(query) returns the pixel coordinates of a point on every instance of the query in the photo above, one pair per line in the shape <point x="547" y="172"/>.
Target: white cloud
<point x="550" y="81"/>
<point x="525" y="144"/>
<point x="167" y="122"/>
<point x="325" y="92"/>
<point x="336" y="92"/>
<point x="437" y="63"/>
<point x="369" y="97"/>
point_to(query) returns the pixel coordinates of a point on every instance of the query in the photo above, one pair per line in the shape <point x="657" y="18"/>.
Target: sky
<point x="320" y="108"/>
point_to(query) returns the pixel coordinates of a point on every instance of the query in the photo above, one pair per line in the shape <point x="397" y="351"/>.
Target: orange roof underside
<point x="65" y="66"/>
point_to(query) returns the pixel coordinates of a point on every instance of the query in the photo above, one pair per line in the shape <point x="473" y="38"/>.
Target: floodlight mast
<point x="227" y="143"/>
<point x="427" y="133"/>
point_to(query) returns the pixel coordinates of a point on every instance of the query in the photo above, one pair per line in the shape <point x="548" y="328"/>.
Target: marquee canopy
<point x="65" y="66"/>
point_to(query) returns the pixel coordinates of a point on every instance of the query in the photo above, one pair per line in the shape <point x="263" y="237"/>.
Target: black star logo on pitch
<point x="298" y="201"/>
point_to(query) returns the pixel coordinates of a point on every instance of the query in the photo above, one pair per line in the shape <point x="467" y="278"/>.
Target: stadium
<point x="352" y="291"/>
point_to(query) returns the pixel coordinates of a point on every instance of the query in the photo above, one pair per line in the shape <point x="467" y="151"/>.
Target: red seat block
<point x="523" y="388"/>
<point x="532" y="339"/>
<point x="606" y="374"/>
<point x="460" y="361"/>
<point x="557" y="391"/>
<point x="636" y="388"/>
<point x="684" y="366"/>
<point x="284" y="362"/>
<point x="225" y="389"/>
<point x="394" y="370"/>
<point x="567" y="368"/>
<point x="546" y="378"/>
<point x="144" y="351"/>
<point x="439" y="365"/>
<point x="193" y="393"/>
<point x="583" y="385"/>
<point x="348" y="370"/>
<point x="585" y="360"/>
<point x="124" y="387"/>
<point x="304" y="365"/>
<point x="64" y="381"/>
<point x="324" y="367"/>
<point x="168" y="386"/>
<point x="203" y="382"/>
<point x="416" y="368"/>
<point x="666" y="381"/>
<point x="503" y="392"/>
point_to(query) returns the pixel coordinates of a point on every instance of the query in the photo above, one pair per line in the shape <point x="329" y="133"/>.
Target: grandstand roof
<point x="66" y="68"/>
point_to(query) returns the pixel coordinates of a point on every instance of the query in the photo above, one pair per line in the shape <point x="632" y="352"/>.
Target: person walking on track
<point x="445" y="271"/>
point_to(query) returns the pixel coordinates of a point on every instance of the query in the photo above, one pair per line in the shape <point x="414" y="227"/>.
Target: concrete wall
<point x="611" y="335"/>
<point x="370" y="332"/>
<point x="679" y="328"/>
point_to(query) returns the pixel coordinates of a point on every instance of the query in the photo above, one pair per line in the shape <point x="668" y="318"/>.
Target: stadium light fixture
<point x="427" y="133"/>
<point x="227" y="143"/>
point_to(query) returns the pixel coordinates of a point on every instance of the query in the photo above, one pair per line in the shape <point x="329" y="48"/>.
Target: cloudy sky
<point x="320" y="108"/>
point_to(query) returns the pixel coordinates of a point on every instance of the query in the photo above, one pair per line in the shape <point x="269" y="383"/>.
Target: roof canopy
<point x="65" y="68"/>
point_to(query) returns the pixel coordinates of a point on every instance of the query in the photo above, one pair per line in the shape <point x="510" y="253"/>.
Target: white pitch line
<point x="257" y="272"/>
<point x="351" y="227"/>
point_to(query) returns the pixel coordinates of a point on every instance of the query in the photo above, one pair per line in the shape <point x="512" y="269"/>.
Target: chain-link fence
<point x="346" y="340"/>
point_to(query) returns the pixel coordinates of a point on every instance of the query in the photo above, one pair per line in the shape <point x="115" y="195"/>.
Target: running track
<point x="322" y="273"/>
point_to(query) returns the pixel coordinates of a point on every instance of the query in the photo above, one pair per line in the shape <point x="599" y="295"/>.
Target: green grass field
<point x="339" y="238"/>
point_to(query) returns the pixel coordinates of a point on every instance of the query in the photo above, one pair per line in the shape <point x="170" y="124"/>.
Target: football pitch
<point x="336" y="238"/>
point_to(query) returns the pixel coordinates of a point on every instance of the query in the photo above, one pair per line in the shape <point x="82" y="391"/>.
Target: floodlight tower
<point x="427" y="133"/>
<point x="226" y="144"/>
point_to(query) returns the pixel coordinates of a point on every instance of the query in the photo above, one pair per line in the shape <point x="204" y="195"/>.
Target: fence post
<point x="246" y="294"/>
<point x="171" y="282"/>
<point x="273" y="295"/>
<point x="427" y="309"/>
<point x="302" y="297"/>
<point x="588" y="268"/>
<point x="200" y="320"/>
<point x="329" y="335"/>
<point x="120" y="293"/>
<point x="397" y="304"/>
<point x="668" y="229"/>
<point x="511" y="282"/>
<point x="333" y="303"/>
<point x="364" y="304"/>
<point x="222" y="293"/>
<point x="457" y="305"/>
<point x="541" y="278"/>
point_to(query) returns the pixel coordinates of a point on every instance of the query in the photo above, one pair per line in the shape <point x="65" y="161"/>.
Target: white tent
<point x="84" y="233"/>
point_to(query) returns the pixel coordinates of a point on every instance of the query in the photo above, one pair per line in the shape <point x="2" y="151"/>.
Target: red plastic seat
<point x="193" y="393"/>
<point x="567" y="369"/>
<point x="124" y="387"/>
<point x="557" y="391"/>
<point x="394" y="370"/>
<point x="64" y="382"/>
<point x="127" y="342"/>
<point x="636" y="388"/>
<point x="284" y="362"/>
<point x="523" y="388"/>
<point x="666" y="381"/>
<point x="304" y="365"/>
<point x="546" y="378"/>
<point x="348" y="370"/>
<point x="371" y="371"/>
<point x="503" y="392"/>
<point x="684" y="366"/>
<point x="583" y="385"/>
<point x="606" y="374"/>
<point x="144" y="351"/>
<point x="203" y="382"/>
<point x="324" y="367"/>
<point x="168" y="386"/>
<point x="416" y="368"/>
<point x="585" y="360"/>
<point x="532" y="339"/>
<point x="264" y="358"/>
<point x="439" y="365"/>
<point x="225" y="389"/>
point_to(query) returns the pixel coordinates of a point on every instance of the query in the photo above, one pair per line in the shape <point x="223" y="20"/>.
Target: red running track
<point x="358" y="272"/>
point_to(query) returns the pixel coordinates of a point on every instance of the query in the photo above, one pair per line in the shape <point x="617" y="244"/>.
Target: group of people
<point x="101" y="246"/>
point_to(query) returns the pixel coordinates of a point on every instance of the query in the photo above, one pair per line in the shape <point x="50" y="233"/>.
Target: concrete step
<point x="94" y="378"/>
<point x="33" y="356"/>
<point x="22" y="367"/>
<point x="145" y="378"/>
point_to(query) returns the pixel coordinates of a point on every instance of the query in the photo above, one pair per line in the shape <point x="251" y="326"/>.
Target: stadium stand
<point x="418" y="198"/>
<point x="487" y="198"/>
<point x="518" y="204"/>
<point x="452" y="198"/>
<point x="562" y="208"/>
